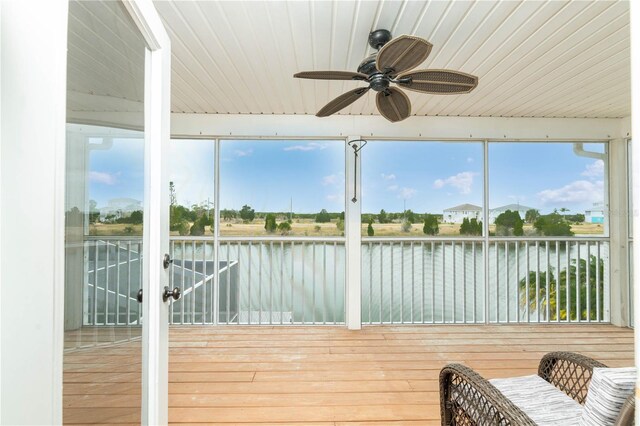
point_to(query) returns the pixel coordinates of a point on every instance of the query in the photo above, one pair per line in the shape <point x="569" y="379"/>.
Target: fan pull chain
<point x="356" y="150"/>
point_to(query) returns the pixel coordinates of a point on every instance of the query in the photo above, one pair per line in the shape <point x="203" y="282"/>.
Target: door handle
<point x="175" y="293"/>
<point x="139" y="296"/>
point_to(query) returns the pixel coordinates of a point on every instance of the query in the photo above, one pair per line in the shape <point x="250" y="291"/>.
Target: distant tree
<point x="270" y="223"/>
<point x="576" y="218"/>
<point x="553" y="225"/>
<point x="370" y="231"/>
<point x="284" y="228"/>
<point x="172" y="194"/>
<point x="430" y="225"/>
<point x="128" y="230"/>
<point x="247" y="214"/>
<point x="227" y="214"/>
<point x="136" y="217"/>
<point x="366" y="218"/>
<point x="340" y="225"/>
<point x="382" y="217"/>
<point x="531" y="215"/>
<point x="410" y="216"/>
<point x="323" y="217"/>
<point x="341" y="216"/>
<point x="509" y="223"/>
<point x="405" y="226"/>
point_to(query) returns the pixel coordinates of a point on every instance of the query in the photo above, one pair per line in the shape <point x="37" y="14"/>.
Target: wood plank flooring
<point x="382" y="375"/>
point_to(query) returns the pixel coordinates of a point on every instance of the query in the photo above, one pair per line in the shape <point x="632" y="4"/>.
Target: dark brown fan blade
<point x="393" y="104"/>
<point x="439" y="82"/>
<point x="342" y="101"/>
<point x="331" y="75"/>
<point x="402" y="54"/>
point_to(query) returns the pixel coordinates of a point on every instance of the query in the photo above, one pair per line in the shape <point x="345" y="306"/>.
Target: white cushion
<point x="608" y="390"/>
<point x="545" y="404"/>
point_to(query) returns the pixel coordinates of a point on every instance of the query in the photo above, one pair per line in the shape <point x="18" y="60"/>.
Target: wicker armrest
<point x="569" y="372"/>
<point x="467" y="398"/>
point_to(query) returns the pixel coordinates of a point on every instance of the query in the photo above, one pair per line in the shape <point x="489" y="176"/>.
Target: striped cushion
<point x="545" y="404"/>
<point x="608" y="390"/>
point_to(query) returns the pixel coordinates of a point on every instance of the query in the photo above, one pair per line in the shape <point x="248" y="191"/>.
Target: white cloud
<point x="331" y="180"/>
<point x="594" y="170"/>
<point x="388" y="177"/>
<point x="579" y="191"/>
<point x="392" y="187"/>
<point x="406" y="193"/>
<point x="245" y="153"/>
<point x="462" y="182"/>
<point x="100" y="177"/>
<point x="310" y="146"/>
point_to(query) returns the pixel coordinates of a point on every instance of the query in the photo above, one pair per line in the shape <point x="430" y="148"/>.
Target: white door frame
<point x="157" y="115"/>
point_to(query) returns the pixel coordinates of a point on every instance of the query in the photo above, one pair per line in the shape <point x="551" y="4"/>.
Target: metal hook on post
<point x="356" y="149"/>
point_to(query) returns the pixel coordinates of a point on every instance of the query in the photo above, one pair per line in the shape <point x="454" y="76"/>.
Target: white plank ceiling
<point x="533" y="58"/>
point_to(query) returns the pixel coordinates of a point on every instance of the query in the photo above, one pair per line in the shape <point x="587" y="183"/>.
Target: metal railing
<point x="452" y="281"/>
<point x="259" y="281"/>
<point x="113" y="276"/>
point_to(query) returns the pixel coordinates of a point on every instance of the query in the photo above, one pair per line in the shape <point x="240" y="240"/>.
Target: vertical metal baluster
<point x="335" y="282"/>
<point x="433" y="282"/>
<point x="442" y="281"/>
<point x="506" y="277"/>
<point x="260" y="284"/>
<point x="557" y="281"/>
<point x="106" y="288"/>
<point x="473" y="248"/>
<point x="140" y="311"/>
<point x="588" y="281"/>
<point x="204" y="281"/>
<point x="598" y="281"/>
<point x="568" y="280"/>
<point x="249" y="321"/>
<point x="422" y="303"/>
<point x="182" y="303"/>
<point x="391" y="303"/>
<point x="464" y="284"/>
<point x="117" y="292"/>
<point x="517" y="281"/>
<point x="497" y="282"/>
<point x="302" y="251"/>
<point x="271" y="282"/>
<point x="313" y="283"/>
<point x="129" y="284"/>
<point x="381" y="280"/>
<point x="453" y="274"/>
<point x="548" y="284"/>
<point x="192" y="295"/>
<point x="401" y="282"/>
<point x="527" y="289"/>
<point x="229" y="286"/>
<point x="537" y="281"/>
<point x="324" y="282"/>
<point x="95" y="282"/>
<point x="281" y="282"/>
<point x="292" y="279"/>
<point x="578" y="307"/>
<point x="413" y="269"/>
<point x="370" y="281"/>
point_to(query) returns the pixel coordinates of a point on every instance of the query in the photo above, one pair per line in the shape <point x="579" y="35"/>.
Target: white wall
<point x="33" y="82"/>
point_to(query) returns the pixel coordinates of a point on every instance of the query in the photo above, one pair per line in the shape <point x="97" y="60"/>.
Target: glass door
<point x="114" y="170"/>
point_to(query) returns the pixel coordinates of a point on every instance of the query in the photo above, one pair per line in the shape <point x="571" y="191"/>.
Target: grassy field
<point x="308" y="228"/>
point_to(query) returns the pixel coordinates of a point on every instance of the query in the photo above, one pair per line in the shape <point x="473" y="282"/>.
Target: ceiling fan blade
<point x="439" y="82"/>
<point x="342" y="101"/>
<point x="393" y="104"/>
<point x="331" y="75"/>
<point x="402" y="54"/>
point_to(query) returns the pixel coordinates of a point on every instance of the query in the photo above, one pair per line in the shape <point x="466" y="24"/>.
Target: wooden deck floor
<point x="385" y="375"/>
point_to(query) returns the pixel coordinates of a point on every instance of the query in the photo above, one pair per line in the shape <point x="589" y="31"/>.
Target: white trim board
<point x="411" y="128"/>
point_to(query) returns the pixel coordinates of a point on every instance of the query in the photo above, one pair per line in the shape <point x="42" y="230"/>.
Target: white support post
<point x="618" y="232"/>
<point x="353" y="245"/>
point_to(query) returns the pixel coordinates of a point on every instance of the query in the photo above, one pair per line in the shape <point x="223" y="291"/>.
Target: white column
<point x="33" y="87"/>
<point x="618" y="232"/>
<point x="353" y="244"/>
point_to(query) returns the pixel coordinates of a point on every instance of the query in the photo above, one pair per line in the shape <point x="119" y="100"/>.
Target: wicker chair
<point x="466" y="398"/>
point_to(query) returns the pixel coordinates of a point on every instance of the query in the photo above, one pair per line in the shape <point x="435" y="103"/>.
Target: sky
<point x="268" y="175"/>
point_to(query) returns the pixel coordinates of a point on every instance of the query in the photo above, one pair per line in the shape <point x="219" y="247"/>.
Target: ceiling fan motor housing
<point x="379" y="38"/>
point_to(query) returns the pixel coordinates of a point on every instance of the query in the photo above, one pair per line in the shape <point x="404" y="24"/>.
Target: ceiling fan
<point x="391" y="64"/>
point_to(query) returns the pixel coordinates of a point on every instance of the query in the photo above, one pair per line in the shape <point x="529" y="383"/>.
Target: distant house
<point x="458" y="213"/>
<point x="494" y="213"/>
<point x="595" y="214"/>
<point x="120" y="207"/>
